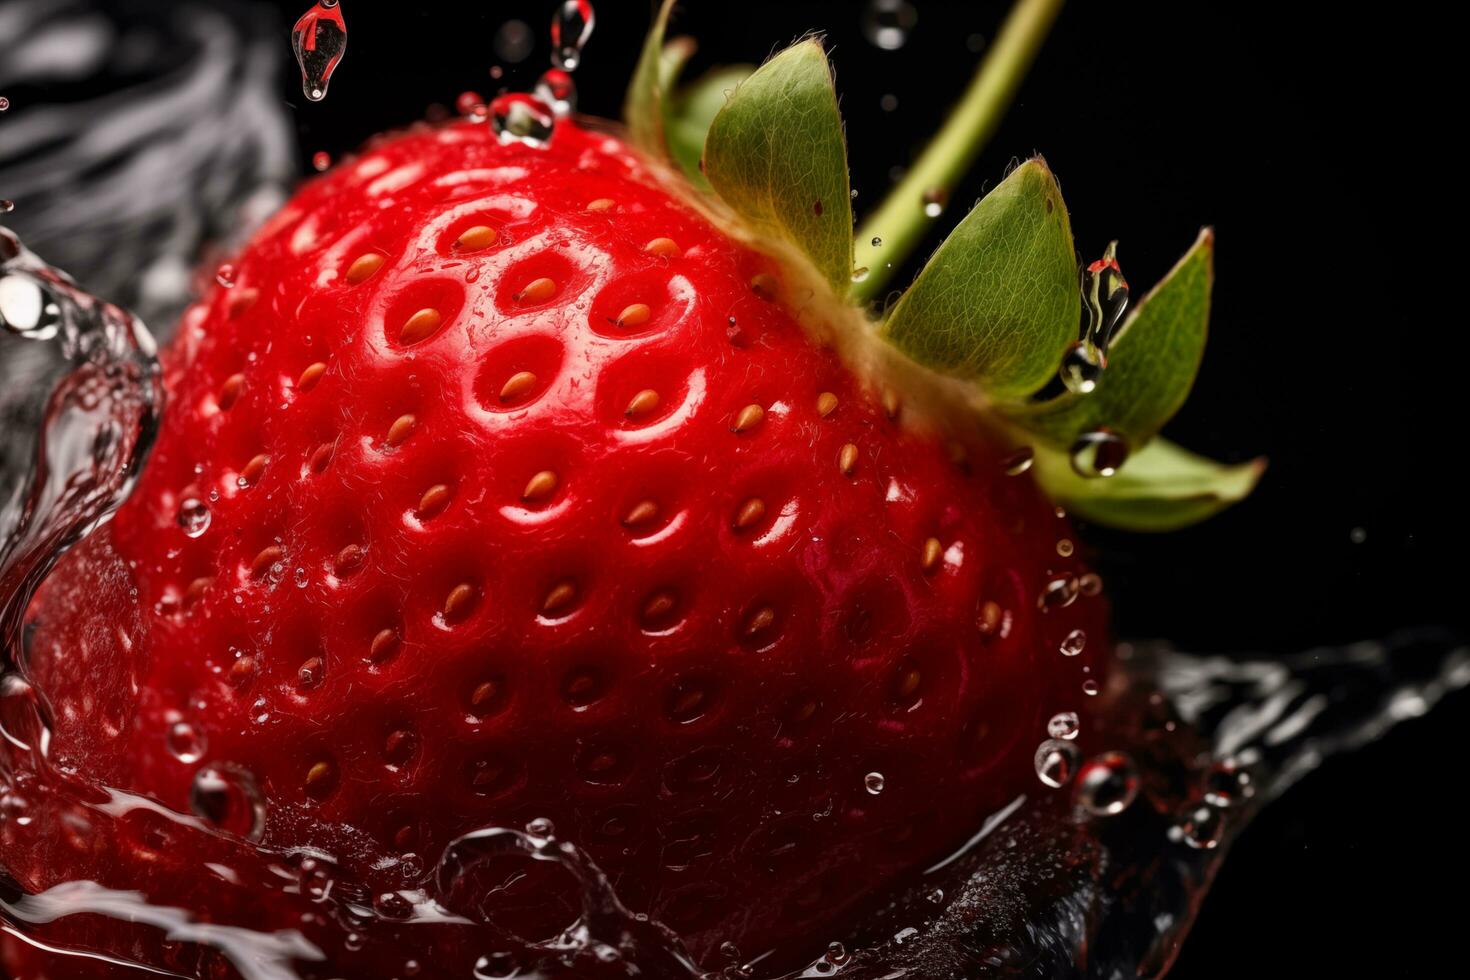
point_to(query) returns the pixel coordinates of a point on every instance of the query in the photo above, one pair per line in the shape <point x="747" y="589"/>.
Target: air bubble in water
<point x="1099" y="453"/>
<point x="860" y="274"/>
<point x="520" y="118"/>
<point x="227" y="796"/>
<point x="1064" y="725"/>
<point x="887" y="23"/>
<point x="6" y="205"/>
<point x="571" y="26"/>
<point x="541" y="827"/>
<point x="4" y="103"/>
<point x="1090" y="688"/>
<point x="321" y="161"/>
<point x="225" y="275"/>
<point x="185" y="742"/>
<point x="495" y="966"/>
<point x="1073" y="643"/>
<point x="470" y="103"/>
<point x="1058" y="593"/>
<point x="1019" y="461"/>
<point x="1107" y="784"/>
<point x="556" y="88"/>
<point x="319" y="40"/>
<point x="873" y="783"/>
<point x="193" y="516"/>
<point x="1056" y="760"/>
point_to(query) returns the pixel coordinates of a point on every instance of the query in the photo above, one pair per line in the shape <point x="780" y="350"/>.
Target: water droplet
<point x="1056" y="760"/>
<point x="934" y="896"/>
<point x="469" y="104"/>
<point x="4" y="103"/>
<point x="1227" y="783"/>
<point x="496" y="966"/>
<point x="570" y="28"/>
<point x="227" y="796"/>
<point x="877" y="242"/>
<point x="6" y="205"/>
<point x="1107" y="784"/>
<point x="888" y="103"/>
<point x="934" y="201"/>
<point x="836" y="953"/>
<point x="321" y="160"/>
<point x="1073" y="643"/>
<point x="1064" y="725"/>
<point x="225" y="275"/>
<point x="887" y="23"/>
<point x="1200" y="825"/>
<point x="541" y="827"/>
<point x="873" y="783"/>
<point x="1099" y="453"/>
<point x="392" y="905"/>
<point x="185" y="742"/>
<point x="1058" y="593"/>
<point x="860" y="273"/>
<point x="520" y="118"/>
<point x="1082" y="367"/>
<point x="1019" y="461"/>
<point x="1090" y="688"/>
<point x="1090" y="584"/>
<point x="556" y="88"/>
<point x="193" y="516"/>
<point x="319" y="40"/>
<point x="730" y="951"/>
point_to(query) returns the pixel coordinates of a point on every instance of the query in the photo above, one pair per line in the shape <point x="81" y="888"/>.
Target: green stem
<point x="901" y="221"/>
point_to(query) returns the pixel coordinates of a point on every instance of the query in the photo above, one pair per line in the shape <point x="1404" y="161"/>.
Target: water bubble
<point x="730" y="951"/>
<point x="1073" y="643"/>
<point x="1082" y="367"/>
<point x="888" y="103"/>
<point x="1090" y="688"/>
<point x="877" y="242"/>
<point x="873" y="783"/>
<point x="319" y="40"/>
<point x="556" y="88"/>
<point x="836" y="953"/>
<point x="513" y="42"/>
<point x="887" y="23"/>
<point x="1107" y="784"/>
<point x="1099" y="453"/>
<point x="1064" y="725"/>
<point x="225" y="275"/>
<point x="1090" y="584"/>
<point x="1065" y="547"/>
<point x="571" y="26"/>
<point x="6" y="205"/>
<point x="193" y="516"/>
<point x="469" y="103"/>
<point x="1200" y="825"/>
<point x="392" y="905"/>
<point x="321" y="161"/>
<point x="520" y="118"/>
<point x="227" y="796"/>
<point x="860" y="273"/>
<point x="4" y="103"/>
<point x="541" y="827"/>
<point x="1056" y="760"/>
<point x="1227" y="783"/>
<point x="1019" y="461"/>
<point x="934" y="201"/>
<point x="185" y="742"/>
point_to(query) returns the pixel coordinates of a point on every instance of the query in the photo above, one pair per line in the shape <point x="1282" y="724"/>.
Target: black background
<point x="1335" y="352"/>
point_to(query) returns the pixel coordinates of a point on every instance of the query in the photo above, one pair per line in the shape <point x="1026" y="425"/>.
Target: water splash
<point x="571" y="27"/>
<point x="319" y="40"/>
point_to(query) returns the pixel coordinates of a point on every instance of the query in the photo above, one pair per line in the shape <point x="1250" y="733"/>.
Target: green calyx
<point x="997" y="306"/>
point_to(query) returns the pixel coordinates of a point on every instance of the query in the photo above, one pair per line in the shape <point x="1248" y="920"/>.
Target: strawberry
<point x="507" y="482"/>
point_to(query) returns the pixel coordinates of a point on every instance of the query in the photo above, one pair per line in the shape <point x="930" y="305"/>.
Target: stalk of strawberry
<point x="507" y="482"/>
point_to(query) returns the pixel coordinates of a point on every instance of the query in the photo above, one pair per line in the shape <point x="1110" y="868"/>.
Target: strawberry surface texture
<point x="503" y="483"/>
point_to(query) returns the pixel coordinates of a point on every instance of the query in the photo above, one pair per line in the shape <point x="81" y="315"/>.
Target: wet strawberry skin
<point x="527" y="496"/>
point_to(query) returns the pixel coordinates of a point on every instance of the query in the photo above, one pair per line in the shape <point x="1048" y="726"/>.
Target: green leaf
<point x="643" y="104"/>
<point x="998" y="302"/>
<point x="1152" y="362"/>
<point x="776" y="155"/>
<point x="688" y="115"/>
<point x="1162" y="487"/>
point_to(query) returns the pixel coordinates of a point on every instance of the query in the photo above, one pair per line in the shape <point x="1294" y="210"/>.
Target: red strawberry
<point x="502" y="485"/>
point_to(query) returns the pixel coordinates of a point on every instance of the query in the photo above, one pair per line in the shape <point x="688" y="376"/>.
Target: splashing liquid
<point x="319" y="40"/>
<point x="571" y="27"/>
